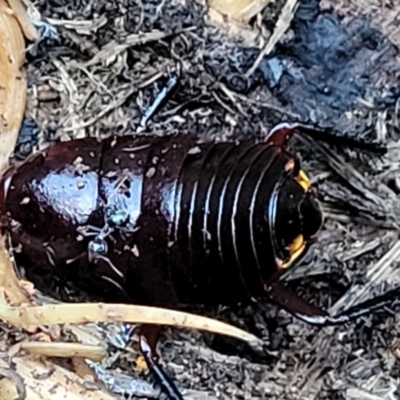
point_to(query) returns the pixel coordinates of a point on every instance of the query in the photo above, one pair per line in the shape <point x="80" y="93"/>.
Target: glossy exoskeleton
<point x="167" y="220"/>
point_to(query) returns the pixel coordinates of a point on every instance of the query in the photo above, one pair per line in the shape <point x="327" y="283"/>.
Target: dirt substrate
<point x="337" y="66"/>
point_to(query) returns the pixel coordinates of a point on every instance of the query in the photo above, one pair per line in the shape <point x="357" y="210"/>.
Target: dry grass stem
<point x="379" y="272"/>
<point x="55" y="349"/>
<point x="81" y="313"/>
<point x="109" y="52"/>
<point x="282" y="25"/>
<point x="83" y="27"/>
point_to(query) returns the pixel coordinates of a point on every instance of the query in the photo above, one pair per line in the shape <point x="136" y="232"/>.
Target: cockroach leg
<point x="280" y="134"/>
<point x="166" y="383"/>
<point x="329" y="135"/>
<point x="152" y="335"/>
<point x="311" y="314"/>
<point x="293" y="303"/>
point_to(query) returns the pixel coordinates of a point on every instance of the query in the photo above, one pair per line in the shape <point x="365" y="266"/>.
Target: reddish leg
<point x="152" y="335"/>
<point x="280" y="134"/>
<point x="314" y="315"/>
<point x="294" y="304"/>
<point x="148" y="342"/>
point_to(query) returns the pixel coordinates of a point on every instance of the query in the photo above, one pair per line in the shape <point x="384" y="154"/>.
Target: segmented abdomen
<point x="223" y="193"/>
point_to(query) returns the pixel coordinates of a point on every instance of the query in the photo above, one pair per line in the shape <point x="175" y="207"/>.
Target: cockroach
<point x="170" y="221"/>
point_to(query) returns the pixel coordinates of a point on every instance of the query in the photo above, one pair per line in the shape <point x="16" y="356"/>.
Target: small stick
<point x="161" y="98"/>
<point x="282" y="25"/>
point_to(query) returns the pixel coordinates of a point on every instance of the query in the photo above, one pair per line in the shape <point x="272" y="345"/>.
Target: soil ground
<point x="337" y="66"/>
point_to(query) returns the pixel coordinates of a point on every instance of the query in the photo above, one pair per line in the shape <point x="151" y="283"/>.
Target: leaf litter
<point x="337" y="65"/>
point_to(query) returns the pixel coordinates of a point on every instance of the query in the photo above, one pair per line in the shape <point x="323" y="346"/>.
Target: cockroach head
<point x="294" y="214"/>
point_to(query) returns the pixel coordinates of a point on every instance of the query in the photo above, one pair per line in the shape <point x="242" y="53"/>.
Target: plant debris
<point x="332" y="63"/>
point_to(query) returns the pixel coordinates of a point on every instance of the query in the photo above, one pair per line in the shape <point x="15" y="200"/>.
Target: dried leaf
<point x="56" y="349"/>
<point x="21" y="14"/>
<point x="12" y="82"/>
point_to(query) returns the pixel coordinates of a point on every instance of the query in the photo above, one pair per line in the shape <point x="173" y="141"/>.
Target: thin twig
<point x="282" y="25"/>
<point x="378" y="272"/>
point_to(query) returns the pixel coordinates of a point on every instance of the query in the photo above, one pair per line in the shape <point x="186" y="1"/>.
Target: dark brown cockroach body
<point x="169" y="221"/>
<point x="162" y="221"/>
